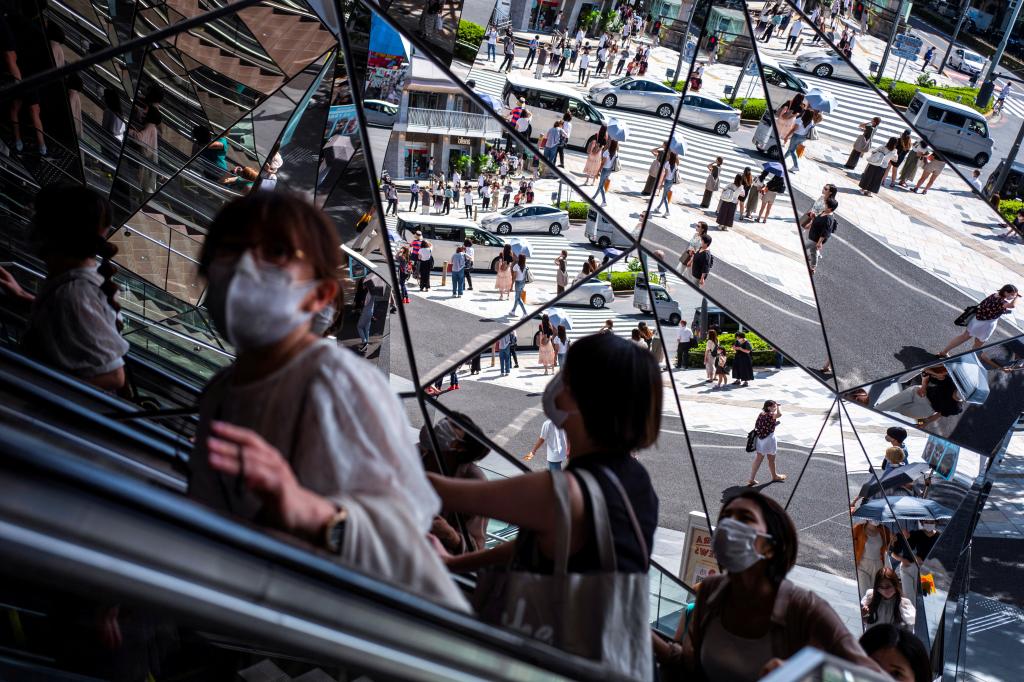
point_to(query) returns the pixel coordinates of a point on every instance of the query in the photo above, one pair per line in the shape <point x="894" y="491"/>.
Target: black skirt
<point x="851" y="161"/>
<point x="742" y="367"/>
<point x="871" y="179"/>
<point x="706" y="201"/>
<point x="726" y="213"/>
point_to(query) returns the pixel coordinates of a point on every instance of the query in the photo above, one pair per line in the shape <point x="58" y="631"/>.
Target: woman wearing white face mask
<point x="298" y="432"/>
<point x="602" y="437"/>
<point x="749" y="620"/>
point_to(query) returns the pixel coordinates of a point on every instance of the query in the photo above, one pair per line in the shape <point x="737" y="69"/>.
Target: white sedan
<point x="967" y="61"/>
<point x="826" y="64"/>
<point x="636" y="93"/>
<point x="528" y="217"/>
<point x="594" y="293"/>
<point x="709" y="113"/>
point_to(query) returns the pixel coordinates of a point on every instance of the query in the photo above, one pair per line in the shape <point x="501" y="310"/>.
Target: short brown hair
<point x="276" y="221"/>
<point x="626" y="369"/>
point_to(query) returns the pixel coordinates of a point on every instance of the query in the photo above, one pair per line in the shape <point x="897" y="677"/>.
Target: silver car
<point x="380" y="113"/>
<point x="529" y="217"/>
<point x="967" y="61"/>
<point x="636" y="93"/>
<point x="705" y="112"/>
<point x="826" y="64"/>
<point x="594" y="293"/>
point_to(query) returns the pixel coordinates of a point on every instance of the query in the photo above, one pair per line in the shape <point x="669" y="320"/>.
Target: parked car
<point x="548" y="102"/>
<point x="446" y="234"/>
<point x="967" y="61"/>
<point x="951" y="127"/>
<point x="380" y="113"/>
<point x="595" y="293"/>
<point x="764" y="136"/>
<point x="780" y="82"/>
<point x="636" y="93"/>
<point x="826" y="64"/>
<point x="603" y="233"/>
<point x="705" y="112"/>
<point x="529" y="217"/>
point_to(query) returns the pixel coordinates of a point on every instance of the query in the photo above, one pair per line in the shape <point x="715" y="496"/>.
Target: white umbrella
<point x="677" y="145"/>
<point x="556" y="316"/>
<point x="822" y="101"/>
<point x="617" y="130"/>
<point x="519" y="246"/>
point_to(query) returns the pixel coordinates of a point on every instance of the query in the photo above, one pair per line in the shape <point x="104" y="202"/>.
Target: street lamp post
<point x="989" y="84"/>
<point x="956" y="32"/>
<point x="888" y="45"/>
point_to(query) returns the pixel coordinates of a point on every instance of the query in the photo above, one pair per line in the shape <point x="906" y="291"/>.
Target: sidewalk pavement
<point x="949" y="232"/>
<point x="1003" y="515"/>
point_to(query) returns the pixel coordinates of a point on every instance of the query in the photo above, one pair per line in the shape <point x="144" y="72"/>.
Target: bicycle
<point x="997" y="108"/>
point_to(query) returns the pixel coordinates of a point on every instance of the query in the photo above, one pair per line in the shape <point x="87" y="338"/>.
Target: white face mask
<point x="254" y="304"/>
<point x="734" y="545"/>
<point x="557" y="415"/>
<point x="323" y="319"/>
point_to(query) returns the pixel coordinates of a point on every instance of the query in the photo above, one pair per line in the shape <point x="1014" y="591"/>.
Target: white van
<point x="446" y="234"/>
<point x="599" y="231"/>
<point x="951" y="127"/>
<point x="548" y="102"/>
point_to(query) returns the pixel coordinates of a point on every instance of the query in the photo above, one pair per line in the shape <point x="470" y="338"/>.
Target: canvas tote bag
<point x="601" y="615"/>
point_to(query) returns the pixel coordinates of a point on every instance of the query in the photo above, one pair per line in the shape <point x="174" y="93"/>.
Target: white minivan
<point x="548" y="102"/>
<point x="602" y="233"/>
<point x="951" y="127"/>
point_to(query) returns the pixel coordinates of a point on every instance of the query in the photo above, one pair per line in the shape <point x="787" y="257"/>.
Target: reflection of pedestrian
<point x="426" y="257"/>
<point x="731" y="195"/>
<point x="878" y="164"/>
<point x="766" y="446"/>
<point x="557" y="445"/>
<point x="863" y="142"/>
<point x="710" y="355"/>
<point x="819" y="231"/>
<point x="743" y="361"/>
<point x="712" y="182"/>
<point x="916" y="154"/>
<point x="985" y="318"/>
<point x="933" y="167"/>
<point x="702" y="261"/>
<point x="684" y="342"/>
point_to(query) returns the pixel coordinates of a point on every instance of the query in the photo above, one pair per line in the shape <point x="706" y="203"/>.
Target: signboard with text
<point x="698" y="560"/>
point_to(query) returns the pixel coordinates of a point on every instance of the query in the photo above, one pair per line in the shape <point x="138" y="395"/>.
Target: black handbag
<point x="966" y="316"/>
<point x="751" y="441"/>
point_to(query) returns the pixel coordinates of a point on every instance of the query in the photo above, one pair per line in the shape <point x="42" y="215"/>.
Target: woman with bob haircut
<point x="751" y="607"/>
<point x="602" y="436"/>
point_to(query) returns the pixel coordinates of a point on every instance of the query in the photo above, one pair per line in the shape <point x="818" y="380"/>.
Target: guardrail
<point x="433" y="119"/>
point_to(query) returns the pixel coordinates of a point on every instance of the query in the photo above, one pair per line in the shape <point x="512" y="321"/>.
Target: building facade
<point x="436" y="125"/>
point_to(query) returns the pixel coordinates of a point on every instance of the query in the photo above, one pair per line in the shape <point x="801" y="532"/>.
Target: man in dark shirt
<point x="702" y="261"/>
<point x="820" y="229"/>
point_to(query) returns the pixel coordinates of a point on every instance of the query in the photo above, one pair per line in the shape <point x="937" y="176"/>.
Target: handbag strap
<point x="563" y="522"/>
<point x="602" y="526"/>
<point x="614" y="480"/>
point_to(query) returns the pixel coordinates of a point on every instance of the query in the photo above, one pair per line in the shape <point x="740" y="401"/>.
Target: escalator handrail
<point x="22" y="451"/>
<point x="148" y="435"/>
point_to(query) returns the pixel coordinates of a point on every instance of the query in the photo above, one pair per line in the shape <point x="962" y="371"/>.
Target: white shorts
<point x="981" y="329"/>
<point x="766" y="446"/>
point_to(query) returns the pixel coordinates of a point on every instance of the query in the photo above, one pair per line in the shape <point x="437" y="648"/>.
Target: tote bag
<point x="559" y="609"/>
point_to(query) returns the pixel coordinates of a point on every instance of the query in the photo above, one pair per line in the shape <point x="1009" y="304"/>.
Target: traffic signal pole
<point x="956" y="32"/>
<point x="892" y="37"/>
<point x="989" y="84"/>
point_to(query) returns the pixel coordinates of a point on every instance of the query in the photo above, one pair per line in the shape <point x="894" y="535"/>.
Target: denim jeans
<point x="795" y="142"/>
<point x="505" y="358"/>
<point x="549" y="154"/>
<point x="554" y="466"/>
<point x="666" y="188"/>
<point x="363" y="327"/>
<point x="458" y="282"/>
<point x="605" y="174"/>
<point x="518" y="301"/>
<point x="491" y="51"/>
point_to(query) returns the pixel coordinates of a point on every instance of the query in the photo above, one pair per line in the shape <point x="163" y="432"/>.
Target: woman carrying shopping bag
<point x="576" y="575"/>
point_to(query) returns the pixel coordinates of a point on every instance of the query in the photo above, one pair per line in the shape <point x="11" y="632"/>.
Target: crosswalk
<point x="1014" y="103"/>
<point x="857" y="103"/>
<point x="648" y="132"/>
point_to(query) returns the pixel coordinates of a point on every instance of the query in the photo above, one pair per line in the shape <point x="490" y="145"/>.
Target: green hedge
<point x="903" y="92"/>
<point x="763" y="353"/>
<point x="577" y="209"/>
<point x="1008" y="209"/>
<point x="751" y="109"/>
<point x="468" y="40"/>
<point x="623" y="281"/>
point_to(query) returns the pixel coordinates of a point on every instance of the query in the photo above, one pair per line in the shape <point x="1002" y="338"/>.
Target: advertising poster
<point x="698" y="560"/>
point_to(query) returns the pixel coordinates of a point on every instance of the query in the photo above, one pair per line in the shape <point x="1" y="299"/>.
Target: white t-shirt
<point x="608" y="159"/>
<point x="567" y="129"/>
<point x="554" y="441"/>
<point x="518" y="273"/>
<point x="685" y="335"/>
<point x="797" y="27"/>
<point x="73" y="328"/>
<point x="584" y="61"/>
<point x="335" y="419"/>
<point x="467" y="198"/>
<point x="426" y="253"/>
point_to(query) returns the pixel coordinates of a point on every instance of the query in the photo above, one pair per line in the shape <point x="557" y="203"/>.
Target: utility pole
<point x="956" y="32"/>
<point x="1008" y="162"/>
<point x="892" y="37"/>
<point x="739" y="78"/>
<point x="989" y="84"/>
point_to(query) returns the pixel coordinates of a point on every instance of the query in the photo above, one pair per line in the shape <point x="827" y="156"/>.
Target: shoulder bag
<point x="528" y="276"/>
<point x="616" y="166"/>
<point x="751" y="441"/>
<point x="558" y="609"/>
<point x="966" y="316"/>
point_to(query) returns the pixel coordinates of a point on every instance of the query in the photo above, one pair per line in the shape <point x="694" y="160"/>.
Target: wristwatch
<point x="334" y="531"/>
